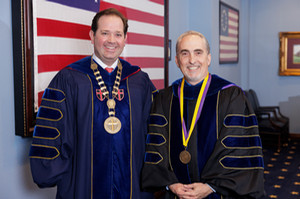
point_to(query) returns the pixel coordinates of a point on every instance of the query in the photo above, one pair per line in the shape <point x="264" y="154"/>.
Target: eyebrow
<point x="199" y="50"/>
<point x="107" y="30"/>
<point x="184" y="50"/>
<point x="196" y="50"/>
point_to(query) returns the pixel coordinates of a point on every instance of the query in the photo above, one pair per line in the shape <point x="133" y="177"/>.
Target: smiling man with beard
<point x="203" y="139"/>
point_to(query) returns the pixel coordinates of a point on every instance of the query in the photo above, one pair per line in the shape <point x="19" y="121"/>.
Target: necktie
<point x="109" y="69"/>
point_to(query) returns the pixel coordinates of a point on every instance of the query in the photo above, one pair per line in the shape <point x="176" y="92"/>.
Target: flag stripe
<point x="228" y="43"/>
<point x="49" y="27"/>
<point x="154" y="73"/>
<point x="142" y="5"/>
<point x="229" y="59"/>
<point x="158" y="83"/>
<point x="162" y="2"/>
<point x="232" y="39"/>
<point x="49" y="63"/>
<point x="229" y="54"/>
<point x="58" y="45"/>
<point x="145" y="28"/>
<point x="44" y="79"/>
<point x="134" y="14"/>
<point x="40" y="95"/>
<point x="146" y="62"/>
<point x="141" y="39"/>
<point x="142" y="51"/>
<point x="228" y="47"/>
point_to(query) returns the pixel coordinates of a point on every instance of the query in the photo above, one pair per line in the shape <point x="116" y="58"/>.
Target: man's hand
<point x="178" y="189"/>
<point x="191" y="191"/>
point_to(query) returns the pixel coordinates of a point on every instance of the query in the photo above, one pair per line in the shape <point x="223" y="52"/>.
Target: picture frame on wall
<point x="228" y="34"/>
<point x="25" y="116"/>
<point x="51" y="34"/>
<point x="289" y="54"/>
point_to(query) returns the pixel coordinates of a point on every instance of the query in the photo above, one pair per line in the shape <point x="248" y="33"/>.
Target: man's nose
<point x="111" y="38"/>
<point x="192" y="59"/>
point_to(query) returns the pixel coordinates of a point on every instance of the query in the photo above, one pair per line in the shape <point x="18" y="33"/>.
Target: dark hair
<point x="109" y="11"/>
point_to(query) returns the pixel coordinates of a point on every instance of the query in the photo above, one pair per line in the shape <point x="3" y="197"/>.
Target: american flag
<point x="229" y="34"/>
<point x="61" y="36"/>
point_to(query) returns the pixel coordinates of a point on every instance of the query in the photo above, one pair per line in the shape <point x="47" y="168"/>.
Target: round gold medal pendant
<point x="185" y="157"/>
<point x="112" y="125"/>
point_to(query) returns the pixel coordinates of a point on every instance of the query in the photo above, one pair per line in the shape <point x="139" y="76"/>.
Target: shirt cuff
<point x="167" y="188"/>
<point x="211" y="188"/>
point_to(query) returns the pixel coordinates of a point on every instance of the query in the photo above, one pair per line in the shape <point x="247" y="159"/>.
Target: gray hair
<point x="192" y="32"/>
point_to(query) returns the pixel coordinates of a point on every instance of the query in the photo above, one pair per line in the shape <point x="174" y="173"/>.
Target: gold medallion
<point x="185" y="157"/>
<point x="112" y="125"/>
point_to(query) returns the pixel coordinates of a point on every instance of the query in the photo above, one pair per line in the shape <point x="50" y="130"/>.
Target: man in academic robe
<point x="89" y="139"/>
<point x="203" y="139"/>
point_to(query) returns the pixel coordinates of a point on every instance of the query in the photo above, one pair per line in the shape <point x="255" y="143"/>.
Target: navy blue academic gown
<point x="225" y="147"/>
<point x="71" y="149"/>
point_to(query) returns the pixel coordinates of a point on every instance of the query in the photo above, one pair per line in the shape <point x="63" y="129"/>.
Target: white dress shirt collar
<point x="103" y="65"/>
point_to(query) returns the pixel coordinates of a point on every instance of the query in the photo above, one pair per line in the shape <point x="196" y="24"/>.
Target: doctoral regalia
<point x="225" y="146"/>
<point x="72" y="150"/>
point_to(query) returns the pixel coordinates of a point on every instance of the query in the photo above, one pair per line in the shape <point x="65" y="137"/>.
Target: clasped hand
<point x="191" y="191"/>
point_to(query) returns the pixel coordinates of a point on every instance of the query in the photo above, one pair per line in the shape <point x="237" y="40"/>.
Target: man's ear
<point x="209" y="59"/>
<point x="176" y="61"/>
<point x="92" y="37"/>
<point x="126" y="38"/>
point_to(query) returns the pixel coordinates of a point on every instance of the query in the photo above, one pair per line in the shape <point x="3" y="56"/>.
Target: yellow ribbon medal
<point x="185" y="156"/>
